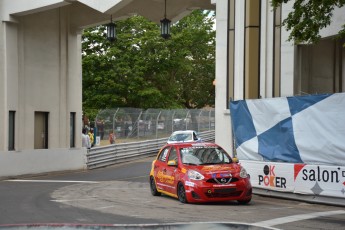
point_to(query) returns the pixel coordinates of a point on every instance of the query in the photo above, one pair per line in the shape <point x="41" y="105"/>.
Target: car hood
<point x="211" y="170"/>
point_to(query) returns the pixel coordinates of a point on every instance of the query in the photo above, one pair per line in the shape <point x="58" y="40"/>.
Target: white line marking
<point x="62" y="201"/>
<point x="55" y="181"/>
<point x="288" y="219"/>
<point x="126" y="188"/>
<point x="106" y="207"/>
<point x="128" y="178"/>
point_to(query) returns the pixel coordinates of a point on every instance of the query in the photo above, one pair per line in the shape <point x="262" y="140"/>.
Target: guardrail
<point x="98" y="157"/>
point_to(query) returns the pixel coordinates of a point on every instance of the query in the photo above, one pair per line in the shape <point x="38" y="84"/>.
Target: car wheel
<point x="244" y="201"/>
<point x="153" y="187"/>
<point x="181" y="193"/>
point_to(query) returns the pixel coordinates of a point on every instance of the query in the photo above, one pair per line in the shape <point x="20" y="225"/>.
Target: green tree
<point x="308" y="18"/>
<point x="192" y="50"/>
<point x="142" y="70"/>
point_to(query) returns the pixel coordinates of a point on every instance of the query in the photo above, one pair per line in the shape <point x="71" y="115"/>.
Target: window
<point x="195" y="138"/>
<point x="163" y="155"/>
<point x="72" y="130"/>
<point x="276" y="52"/>
<point x="209" y="155"/>
<point x="173" y="155"/>
<point x="319" y="67"/>
<point x="231" y="51"/>
<point x="11" y="128"/>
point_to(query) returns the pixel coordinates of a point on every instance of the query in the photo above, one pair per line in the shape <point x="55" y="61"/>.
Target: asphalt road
<point x="120" y="195"/>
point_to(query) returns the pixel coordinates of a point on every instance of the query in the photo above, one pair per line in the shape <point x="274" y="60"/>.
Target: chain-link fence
<point x="151" y="123"/>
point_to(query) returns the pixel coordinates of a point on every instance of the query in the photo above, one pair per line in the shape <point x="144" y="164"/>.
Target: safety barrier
<point x="98" y="157"/>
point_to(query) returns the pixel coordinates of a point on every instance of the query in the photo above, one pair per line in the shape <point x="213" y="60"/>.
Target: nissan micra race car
<point x="199" y="172"/>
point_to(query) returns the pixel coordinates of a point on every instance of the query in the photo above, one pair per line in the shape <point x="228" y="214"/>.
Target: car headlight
<point x="243" y="173"/>
<point x="194" y="175"/>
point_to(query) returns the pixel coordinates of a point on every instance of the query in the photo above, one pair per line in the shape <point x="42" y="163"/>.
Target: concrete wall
<point x="25" y="162"/>
<point x="222" y="114"/>
<point x="287" y="58"/>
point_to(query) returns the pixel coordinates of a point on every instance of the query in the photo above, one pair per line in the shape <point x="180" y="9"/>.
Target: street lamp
<point x="165" y="24"/>
<point x="111" y="32"/>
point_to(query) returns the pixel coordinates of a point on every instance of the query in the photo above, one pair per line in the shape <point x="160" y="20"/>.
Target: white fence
<point x="151" y="123"/>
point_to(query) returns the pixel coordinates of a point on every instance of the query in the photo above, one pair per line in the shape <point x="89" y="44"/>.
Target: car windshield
<point x="181" y="137"/>
<point x="204" y="155"/>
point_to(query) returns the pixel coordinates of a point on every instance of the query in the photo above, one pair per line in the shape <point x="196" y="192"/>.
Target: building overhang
<point x="99" y="11"/>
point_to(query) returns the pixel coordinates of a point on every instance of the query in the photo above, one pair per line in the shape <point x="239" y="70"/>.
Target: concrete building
<point x="41" y="75"/>
<point x="255" y="60"/>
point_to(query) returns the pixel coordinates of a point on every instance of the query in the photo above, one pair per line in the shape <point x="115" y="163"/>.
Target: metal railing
<point x="117" y="153"/>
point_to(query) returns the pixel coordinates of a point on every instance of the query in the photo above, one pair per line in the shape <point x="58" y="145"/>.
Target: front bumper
<point x="201" y="191"/>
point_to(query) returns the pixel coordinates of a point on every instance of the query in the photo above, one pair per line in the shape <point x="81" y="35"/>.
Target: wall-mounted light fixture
<point x="165" y="24"/>
<point x="111" y="32"/>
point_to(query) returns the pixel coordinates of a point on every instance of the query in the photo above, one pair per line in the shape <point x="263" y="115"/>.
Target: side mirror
<point x="235" y="160"/>
<point x="172" y="163"/>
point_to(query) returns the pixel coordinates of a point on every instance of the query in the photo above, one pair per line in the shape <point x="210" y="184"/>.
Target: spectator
<point x="112" y="138"/>
<point x="85" y="139"/>
<point x="92" y="139"/>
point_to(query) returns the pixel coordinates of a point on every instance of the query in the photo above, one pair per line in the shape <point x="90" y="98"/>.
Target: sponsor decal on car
<point x="189" y="183"/>
<point x="224" y="185"/>
<point x="216" y="167"/>
<point x="165" y="178"/>
<point x="215" y="175"/>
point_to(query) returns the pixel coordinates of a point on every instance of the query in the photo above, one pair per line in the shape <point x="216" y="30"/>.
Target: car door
<point x="160" y="166"/>
<point x="171" y="172"/>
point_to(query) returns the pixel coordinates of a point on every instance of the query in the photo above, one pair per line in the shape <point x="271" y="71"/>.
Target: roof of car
<point x="190" y="144"/>
<point x="184" y="131"/>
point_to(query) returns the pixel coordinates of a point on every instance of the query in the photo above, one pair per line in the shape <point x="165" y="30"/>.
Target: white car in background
<point x="184" y="136"/>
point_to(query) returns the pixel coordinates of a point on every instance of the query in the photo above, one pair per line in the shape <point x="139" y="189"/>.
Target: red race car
<point x="199" y="172"/>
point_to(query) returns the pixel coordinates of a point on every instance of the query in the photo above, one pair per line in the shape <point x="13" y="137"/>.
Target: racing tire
<point x="153" y="187"/>
<point x="181" y="193"/>
<point x="244" y="201"/>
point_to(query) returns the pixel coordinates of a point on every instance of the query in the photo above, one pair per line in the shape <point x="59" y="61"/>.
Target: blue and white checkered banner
<point x="300" y="129"/>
